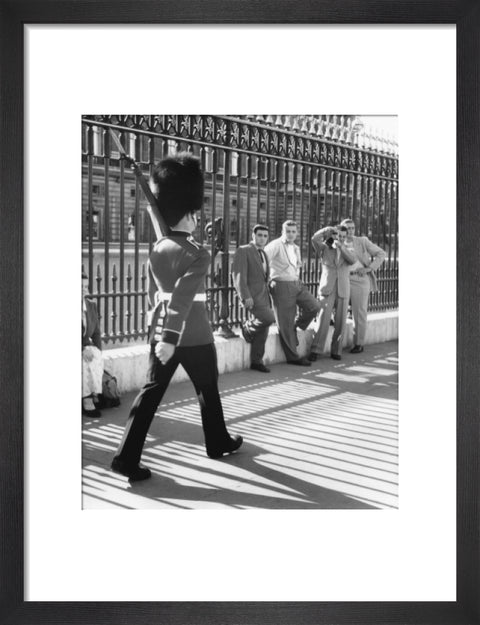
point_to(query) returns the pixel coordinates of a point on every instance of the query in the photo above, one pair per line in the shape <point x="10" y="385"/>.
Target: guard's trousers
<point x="200" y="363"/>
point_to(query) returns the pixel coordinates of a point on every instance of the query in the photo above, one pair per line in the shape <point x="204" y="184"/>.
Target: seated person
<point x="92" y="361"/>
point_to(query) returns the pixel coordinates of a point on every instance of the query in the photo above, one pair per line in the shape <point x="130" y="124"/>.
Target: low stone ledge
<point x="129" y="364"/>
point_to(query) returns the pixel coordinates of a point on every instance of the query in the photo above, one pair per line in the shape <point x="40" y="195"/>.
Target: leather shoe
<point x="312" y="356"/>
<point x="246" y="335"/>
<point x="336" y="356"/>
<point x="258" y="366"/>
<point x="301" y="362"/>
<point x="135" y="473"/>
<point x="235" y="442"/>
<point x="356" y="349"/>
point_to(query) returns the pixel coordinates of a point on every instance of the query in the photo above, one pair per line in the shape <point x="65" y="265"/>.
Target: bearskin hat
<point x="177" y="183"/>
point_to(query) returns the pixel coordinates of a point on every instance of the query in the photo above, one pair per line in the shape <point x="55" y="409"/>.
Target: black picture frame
<point x="465" y="14"/>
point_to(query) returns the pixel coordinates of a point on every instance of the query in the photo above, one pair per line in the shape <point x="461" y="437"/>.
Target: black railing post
<point x="224" y="326"/>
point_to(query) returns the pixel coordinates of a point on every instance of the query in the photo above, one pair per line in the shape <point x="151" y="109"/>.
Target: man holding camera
<point x="334" y="288"/>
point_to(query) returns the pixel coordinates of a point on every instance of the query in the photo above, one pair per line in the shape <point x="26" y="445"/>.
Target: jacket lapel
<point x="256" y="253"/>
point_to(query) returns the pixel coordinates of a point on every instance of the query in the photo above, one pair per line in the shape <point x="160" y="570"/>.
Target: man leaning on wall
<point x="288" y="292"/>
<point x="250" y="276"/>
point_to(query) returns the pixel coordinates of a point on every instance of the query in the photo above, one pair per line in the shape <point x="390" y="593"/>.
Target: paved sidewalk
<point x="324" y="437"/>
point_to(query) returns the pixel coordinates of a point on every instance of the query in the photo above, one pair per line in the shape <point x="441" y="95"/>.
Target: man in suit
<point x="179" y="331"/>
<point x="368" y="258"/>
<point x="288" y="292"/>
<point x="334" y="289"/>
<point x="250" y="276"/>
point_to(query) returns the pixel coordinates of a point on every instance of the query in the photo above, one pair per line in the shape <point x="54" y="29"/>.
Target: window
<point x="93" y="224"/>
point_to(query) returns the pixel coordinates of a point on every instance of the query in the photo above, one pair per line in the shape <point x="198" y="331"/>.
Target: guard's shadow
<point x="334" y="448"/>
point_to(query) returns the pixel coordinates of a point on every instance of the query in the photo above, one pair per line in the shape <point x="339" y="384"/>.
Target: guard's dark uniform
<point x="177" y="269"/>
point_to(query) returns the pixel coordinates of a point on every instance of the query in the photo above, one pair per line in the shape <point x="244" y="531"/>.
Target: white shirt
<point x="284" y="259"/>
<point x="292" y="256"/>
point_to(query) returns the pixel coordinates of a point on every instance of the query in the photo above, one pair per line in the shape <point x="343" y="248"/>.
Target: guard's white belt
<point x="166" y="297"/>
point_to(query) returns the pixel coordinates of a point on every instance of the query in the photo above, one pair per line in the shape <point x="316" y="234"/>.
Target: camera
<point x="331" y="238"/>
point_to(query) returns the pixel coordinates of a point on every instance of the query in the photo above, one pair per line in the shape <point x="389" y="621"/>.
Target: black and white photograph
<point x="240" y="311"/>
<point x="219" y="205"/>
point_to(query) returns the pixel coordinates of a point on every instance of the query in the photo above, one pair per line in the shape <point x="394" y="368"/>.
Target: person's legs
<point x="143" y="409"/>
<point x="323" y="323"/>
<point x="341" y="309"/>
<point x="308" y="306"/>
<point x="284" y="295"/>
<point x="92" y="370"/>
<point x="200" y="363"/>
<point x="257" y="326"/>
<point x="359" y="292"/>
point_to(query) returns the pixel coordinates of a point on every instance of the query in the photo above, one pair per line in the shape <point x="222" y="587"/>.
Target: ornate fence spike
<point x="98" y="279"/>
<point x="129" y="277"/>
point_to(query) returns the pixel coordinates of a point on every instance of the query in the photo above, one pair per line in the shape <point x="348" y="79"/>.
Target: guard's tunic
<point x="176" y="272"/>
<point x="177" y="268"/>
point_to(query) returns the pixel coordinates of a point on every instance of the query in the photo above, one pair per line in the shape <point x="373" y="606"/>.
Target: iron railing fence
<point x="258" y="169"/>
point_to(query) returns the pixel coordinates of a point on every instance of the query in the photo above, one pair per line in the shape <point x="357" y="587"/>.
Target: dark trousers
<point x="261" y="318"/>
<point x="200" y="363"/>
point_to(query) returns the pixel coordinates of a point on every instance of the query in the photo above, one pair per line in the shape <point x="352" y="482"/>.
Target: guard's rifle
<point x="158" y="221"/>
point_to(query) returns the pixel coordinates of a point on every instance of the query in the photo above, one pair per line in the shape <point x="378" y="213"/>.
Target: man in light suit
<point x="329" y="243"/>
<point x="289" y="292"/>
<point x="368" y="258"/>
<point x="250" y="276"/>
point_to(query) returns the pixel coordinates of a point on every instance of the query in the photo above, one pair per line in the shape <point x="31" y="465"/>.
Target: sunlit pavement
<point x="319" y="437"/>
